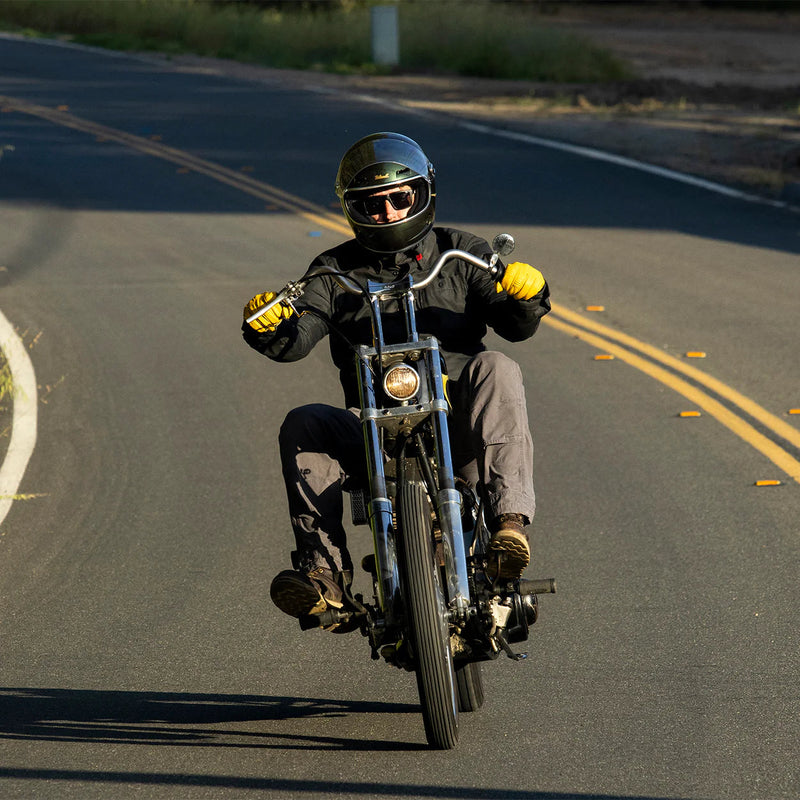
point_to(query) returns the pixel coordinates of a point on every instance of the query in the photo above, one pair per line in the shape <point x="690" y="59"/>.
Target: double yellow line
<point x="604" y="338"/>
<point x="637" y="354"/>
<point x="152" y="147"/>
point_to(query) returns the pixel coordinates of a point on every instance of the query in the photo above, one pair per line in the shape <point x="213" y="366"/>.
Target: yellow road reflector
<point x="183" y="170"/>
<point x="247" y="169"/>
<point x="695" y="354"/>
<point x="62" y="108"/>
<point x="689" y="414"/>
<point x="595" y="308"/>
<point x="156" y="137"/>
<point x="604" y="357"/>
<point x="794" y="410"/>
<point x="768" y="483"/>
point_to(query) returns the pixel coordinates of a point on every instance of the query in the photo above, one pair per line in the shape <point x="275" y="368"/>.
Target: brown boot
<point x="301" y="593"/>
<point x="509" y="552"/>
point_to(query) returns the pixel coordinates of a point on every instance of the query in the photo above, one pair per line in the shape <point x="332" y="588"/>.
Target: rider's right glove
<point x="269" y="320"/>
<point x="521" y="281"/>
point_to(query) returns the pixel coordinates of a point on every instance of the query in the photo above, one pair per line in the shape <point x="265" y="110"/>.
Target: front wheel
<point x="427" y="617"/>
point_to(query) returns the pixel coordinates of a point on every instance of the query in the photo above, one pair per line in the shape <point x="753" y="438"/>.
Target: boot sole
<point x="513" y="553"/>
<point x="296" y="597"/>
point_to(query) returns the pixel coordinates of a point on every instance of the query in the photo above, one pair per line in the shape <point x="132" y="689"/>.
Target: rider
<point x="387" y="191"/>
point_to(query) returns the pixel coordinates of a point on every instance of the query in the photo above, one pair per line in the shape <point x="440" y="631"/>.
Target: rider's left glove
<point x="521" y="281"/>
<point x="269" y="320"/>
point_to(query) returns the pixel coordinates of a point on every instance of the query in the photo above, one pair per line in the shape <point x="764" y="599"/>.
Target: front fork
<point x="445" y="498"/>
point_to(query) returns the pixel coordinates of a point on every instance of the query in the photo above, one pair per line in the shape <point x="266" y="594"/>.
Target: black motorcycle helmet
<point x="377" y="162"/>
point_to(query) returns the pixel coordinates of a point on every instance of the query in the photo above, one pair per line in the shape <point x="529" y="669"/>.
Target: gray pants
<point x="321" y="446"/>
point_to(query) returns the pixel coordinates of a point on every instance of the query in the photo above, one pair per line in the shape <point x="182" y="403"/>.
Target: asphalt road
<point x="140" y="656"/>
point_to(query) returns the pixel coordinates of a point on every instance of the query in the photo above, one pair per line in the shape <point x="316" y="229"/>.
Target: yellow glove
<point x="521" y="281"/>
<point x="272" y="318"/>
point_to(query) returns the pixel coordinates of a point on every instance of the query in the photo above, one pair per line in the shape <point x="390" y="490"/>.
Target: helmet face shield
<point x="360" y="207"/>
<point x="376" y="163"/>
<point x="372" y="205"/>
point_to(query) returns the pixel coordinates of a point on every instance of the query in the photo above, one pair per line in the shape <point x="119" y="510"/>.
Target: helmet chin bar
<point x="389" y="237"/>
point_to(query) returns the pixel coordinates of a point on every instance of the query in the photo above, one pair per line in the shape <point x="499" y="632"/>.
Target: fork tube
<point x="448" y="497"/>
<point x="380" y="506"/>
<point x="380" y="519"/>
<point x="377" y="333"/>
<point x="377" y="325"/>
<point x="411" y="317"/>
<point x="449" y="502"/>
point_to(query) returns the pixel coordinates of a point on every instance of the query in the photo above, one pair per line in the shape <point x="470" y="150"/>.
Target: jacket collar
<point x="416" y="258"/>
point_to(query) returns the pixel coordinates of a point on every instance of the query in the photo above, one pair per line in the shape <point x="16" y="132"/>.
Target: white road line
<point x="23" y="426"/>
<point x="573" y="149"/>
<point x="624" y="161"/>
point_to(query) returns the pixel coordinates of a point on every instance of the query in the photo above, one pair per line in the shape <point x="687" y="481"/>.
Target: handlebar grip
<point x="542" y="586"/>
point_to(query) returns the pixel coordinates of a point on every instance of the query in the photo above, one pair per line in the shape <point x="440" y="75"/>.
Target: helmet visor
<point x="364" y="206"/>
<point x="373" y="204"/>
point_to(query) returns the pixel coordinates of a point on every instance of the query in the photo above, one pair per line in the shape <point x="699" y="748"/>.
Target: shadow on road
<point x="283" y="786"/>
<point x="170" y="718"/>
<point x="176" y="718"/>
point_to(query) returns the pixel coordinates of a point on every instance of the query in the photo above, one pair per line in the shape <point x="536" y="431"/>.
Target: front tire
<point x="427" y="619"/>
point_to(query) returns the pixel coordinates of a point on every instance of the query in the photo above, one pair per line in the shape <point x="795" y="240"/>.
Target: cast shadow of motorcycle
<point x="436" y="611"/>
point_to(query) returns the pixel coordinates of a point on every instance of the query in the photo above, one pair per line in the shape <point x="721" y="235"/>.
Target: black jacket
<point x="455" y="308"/>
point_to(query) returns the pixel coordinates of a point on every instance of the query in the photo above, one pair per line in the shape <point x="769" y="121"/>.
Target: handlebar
<point x="493" y="268"/>
<point x="295" y="289"/>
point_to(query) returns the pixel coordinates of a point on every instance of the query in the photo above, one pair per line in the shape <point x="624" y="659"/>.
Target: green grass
<point x="468" y="38"/>
<point x="6" y="395"/>
<point x="6" y="382"/>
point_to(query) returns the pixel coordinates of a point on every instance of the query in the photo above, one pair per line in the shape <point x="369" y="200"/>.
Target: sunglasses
<point x="372" y="206"/>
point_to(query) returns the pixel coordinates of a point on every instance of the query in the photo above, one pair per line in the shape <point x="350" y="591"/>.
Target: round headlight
<point x="401" y="382"/>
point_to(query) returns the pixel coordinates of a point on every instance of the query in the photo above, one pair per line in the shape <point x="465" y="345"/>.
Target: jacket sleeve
<point x="514" y="320"/>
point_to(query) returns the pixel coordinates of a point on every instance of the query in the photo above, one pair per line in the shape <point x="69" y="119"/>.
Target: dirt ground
<point x="717" y="93"/>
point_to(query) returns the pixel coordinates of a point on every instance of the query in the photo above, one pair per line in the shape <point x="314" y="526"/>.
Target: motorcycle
<point x="435" y="611"/>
